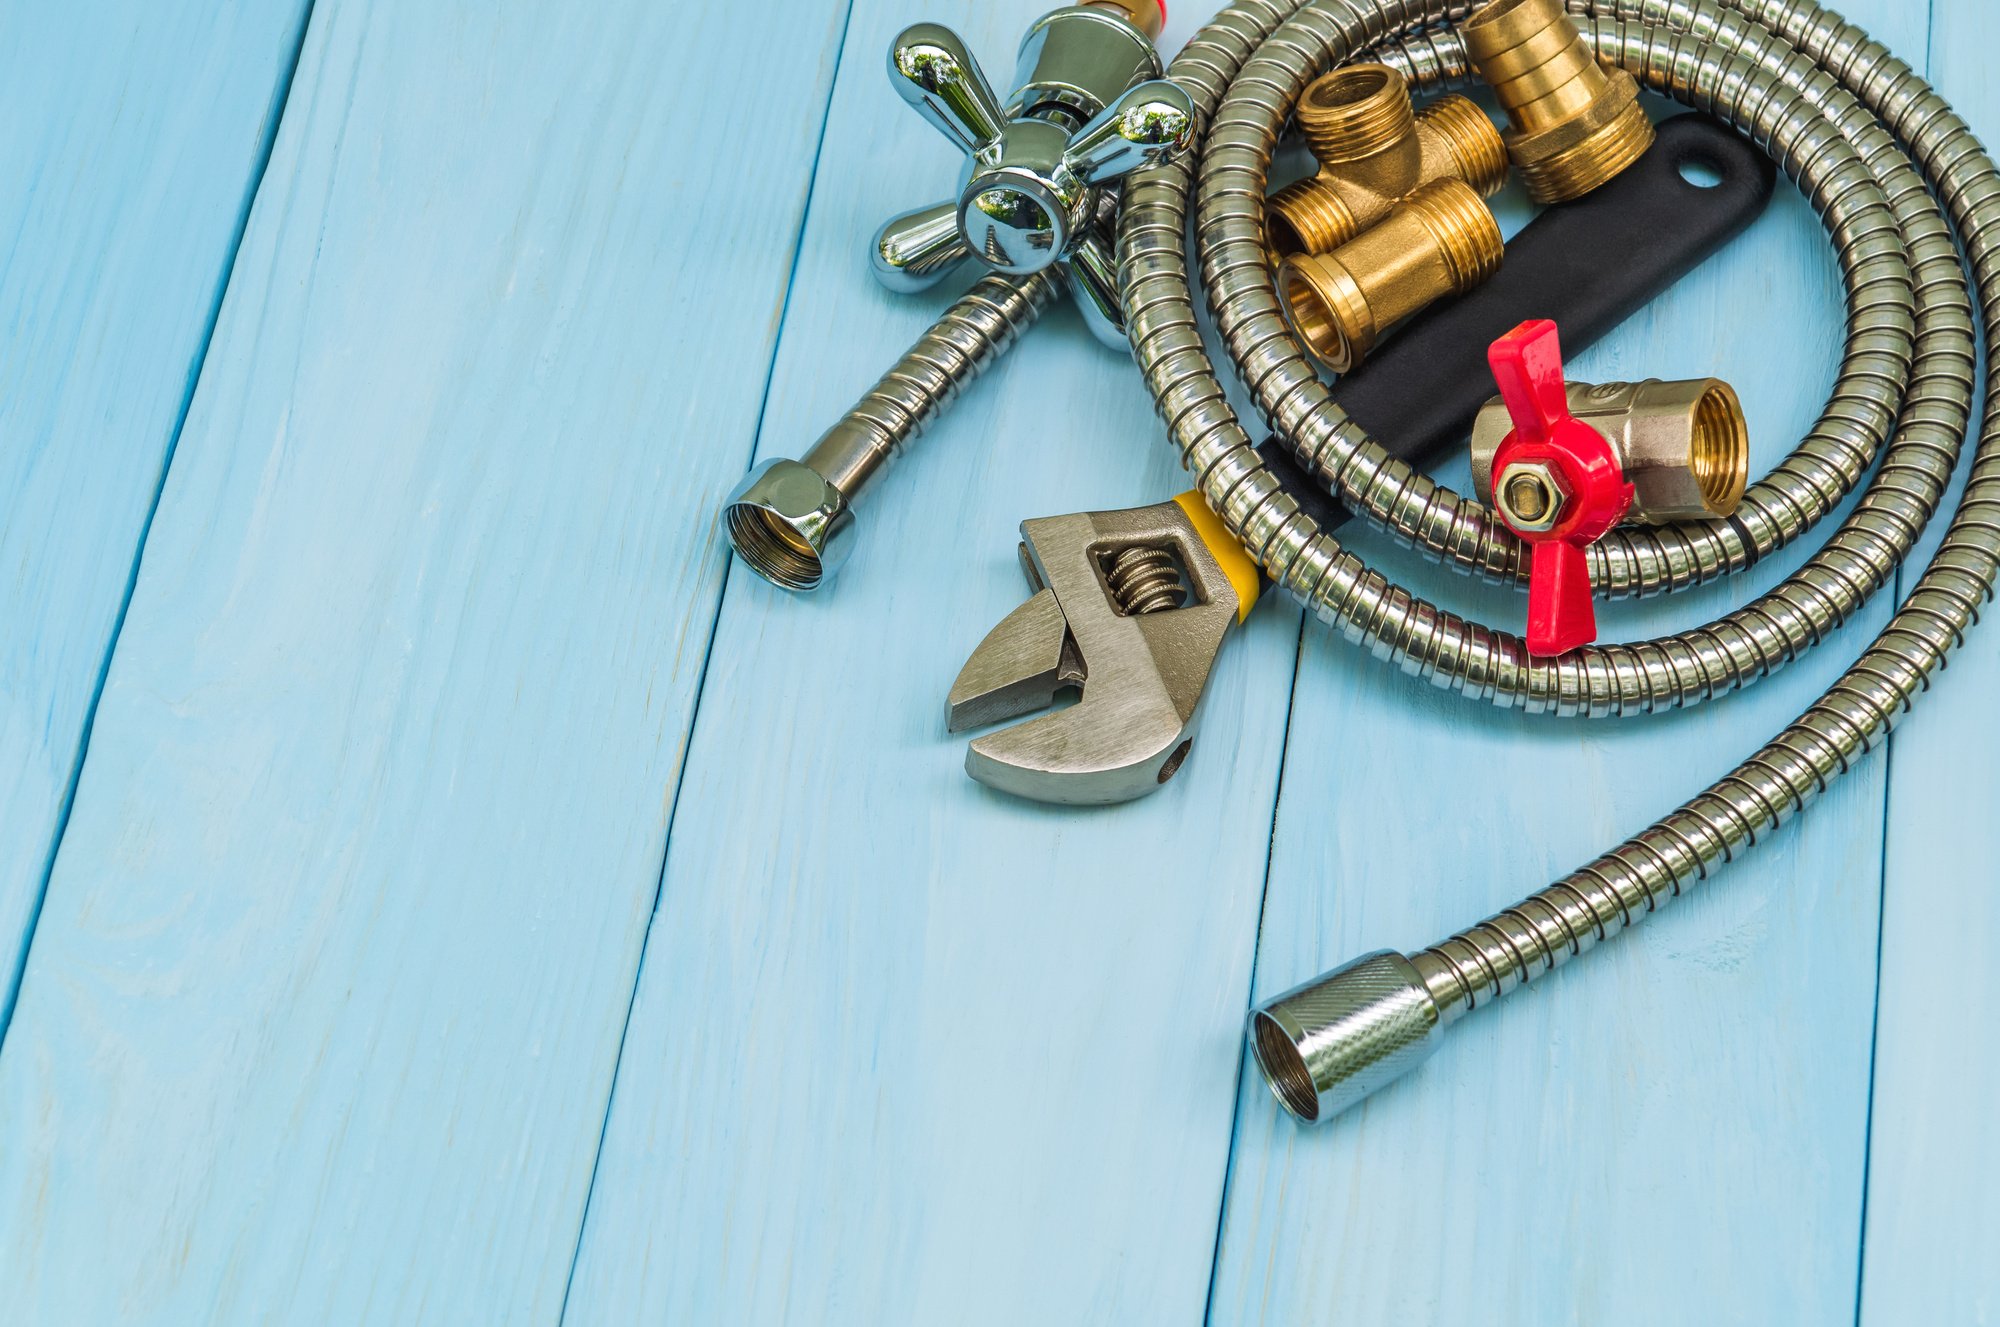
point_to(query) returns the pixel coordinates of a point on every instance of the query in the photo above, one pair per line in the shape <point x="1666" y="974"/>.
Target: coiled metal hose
<point x="1894" y="175"/>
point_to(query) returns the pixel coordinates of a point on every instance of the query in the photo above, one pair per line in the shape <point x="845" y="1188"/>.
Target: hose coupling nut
<point x="1576" y="123"/>
<point x="1684" y="446"/>
<point x="1441" y="240"/>
<point x="1374" y="149"/>
<point x="790" y="524"/>
<point x="1324" y="1046"/>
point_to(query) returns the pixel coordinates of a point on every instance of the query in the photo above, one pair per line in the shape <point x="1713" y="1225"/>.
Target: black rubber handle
<point x="1589" y="265"/>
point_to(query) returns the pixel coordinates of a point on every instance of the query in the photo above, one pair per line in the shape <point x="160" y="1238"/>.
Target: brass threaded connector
<point x="1149" y="16"/>
<point x="1357" y="112"/>
<point x="1684" y="445"/>
<point x="1576" y="123"/>
<point x="1373" y="151"/>
<point x="1464" y="143"/>
<point x="1441" y="240"/>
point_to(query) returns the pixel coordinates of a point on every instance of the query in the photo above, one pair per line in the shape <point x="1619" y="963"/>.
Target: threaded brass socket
<point x="1441" y="240"/>
<point x="1576" y="123"/>
<point x="1373" y="151"/>
<point x="1684" y="445"/>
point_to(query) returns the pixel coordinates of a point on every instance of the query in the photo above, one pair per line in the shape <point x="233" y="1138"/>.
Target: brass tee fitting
<point x="1576" y="123"/>
<point x="1441" y="240"/>
<point x="1685" y="446"/>
<point x="1373" y="151"/>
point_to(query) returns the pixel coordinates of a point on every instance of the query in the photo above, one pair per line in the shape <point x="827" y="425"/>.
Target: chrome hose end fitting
<point x="1324" y="1046"/>
<point x="790" y="524"/>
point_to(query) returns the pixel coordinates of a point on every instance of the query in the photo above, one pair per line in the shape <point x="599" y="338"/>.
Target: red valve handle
<point x="1527" y="363"/>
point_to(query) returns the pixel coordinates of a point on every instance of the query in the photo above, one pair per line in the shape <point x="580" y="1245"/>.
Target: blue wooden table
<point x="435" y="886"/>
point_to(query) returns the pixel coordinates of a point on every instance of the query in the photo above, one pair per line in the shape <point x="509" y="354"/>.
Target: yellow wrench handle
<point x="1241" y="569"/>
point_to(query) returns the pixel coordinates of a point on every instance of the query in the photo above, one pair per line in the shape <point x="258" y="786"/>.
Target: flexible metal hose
<point x="792" y="522"/>
<point x="1884" y="161"/>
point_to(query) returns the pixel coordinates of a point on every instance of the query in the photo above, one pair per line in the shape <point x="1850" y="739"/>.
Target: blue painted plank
<point x="1934" y="1160"/>
<point x="322" y="1014"/>
<point x="134" y="136"/>
<point x="1673" y="1129"/>
<point x="904" y="1050"/>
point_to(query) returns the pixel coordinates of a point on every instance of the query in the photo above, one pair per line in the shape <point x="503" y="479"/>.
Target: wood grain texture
<point x="322" y="1013"/>
<point x="321" y="1019"/>
<point x="905" y="1050"/>
<point x="134" y="136"/>
<point x="1934" y="1160"/>
<point x="1673" y="1129"/>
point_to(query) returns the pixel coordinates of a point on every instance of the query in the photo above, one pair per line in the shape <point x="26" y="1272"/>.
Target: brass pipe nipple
<point x="1576" y="123"/>
<point x="1460" y="143"/>
<point x="1373" y="151"/>
<point x="1149" y="16"/>
<point x="1441" y="240"/>
<point x="1357" y="113"/>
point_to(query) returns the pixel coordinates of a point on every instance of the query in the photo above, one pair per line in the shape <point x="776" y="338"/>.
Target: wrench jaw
<point x="1072" y="757"/>
<point x="1142" y="668"/>
<point x="1017" y="669"/>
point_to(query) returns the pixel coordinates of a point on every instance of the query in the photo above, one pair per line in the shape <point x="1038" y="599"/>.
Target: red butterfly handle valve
<point x="1557" y="484"/>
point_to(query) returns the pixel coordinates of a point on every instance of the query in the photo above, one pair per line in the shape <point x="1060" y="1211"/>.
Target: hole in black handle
<point x="1701" y="171"/>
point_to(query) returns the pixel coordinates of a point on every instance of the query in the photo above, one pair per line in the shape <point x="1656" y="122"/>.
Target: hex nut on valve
<point x="1531" y="494"/>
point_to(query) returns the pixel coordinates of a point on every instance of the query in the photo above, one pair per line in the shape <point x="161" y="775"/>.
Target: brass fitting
<point x="1441" y="240"/>
<point x="1149" y="16"/>
<point x="1373" y="151"/>
<point x="1684" y="445"/>
<point x="1576" y="123"/>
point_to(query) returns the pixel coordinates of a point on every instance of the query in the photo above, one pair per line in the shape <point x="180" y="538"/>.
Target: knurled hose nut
<point x="1325" y="1046"/>
<point x="1441" y="240"/>
<point x="1576" y="123"/>
<point x="1374" y="150"/>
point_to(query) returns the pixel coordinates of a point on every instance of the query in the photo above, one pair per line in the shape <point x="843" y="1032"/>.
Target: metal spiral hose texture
<point x="1910" y="200"/>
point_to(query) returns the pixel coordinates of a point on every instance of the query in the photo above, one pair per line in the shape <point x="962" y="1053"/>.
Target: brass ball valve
<point x="1088" y="107"/>
<point x="1562" y="463"/>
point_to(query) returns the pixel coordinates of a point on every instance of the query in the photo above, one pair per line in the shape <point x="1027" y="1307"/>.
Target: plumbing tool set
<point x="1386" y="267"/>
